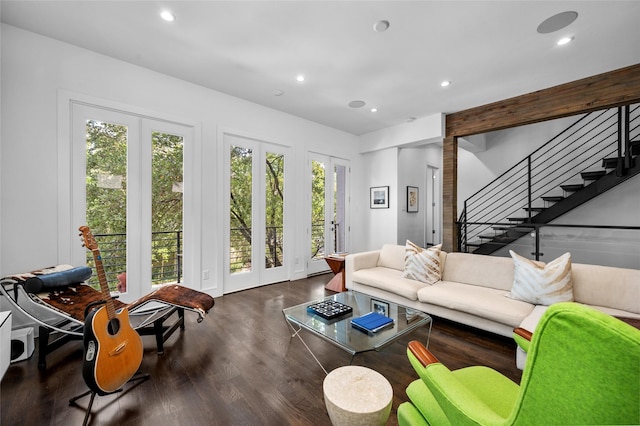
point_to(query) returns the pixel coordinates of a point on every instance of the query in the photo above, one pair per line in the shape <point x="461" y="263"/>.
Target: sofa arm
<point x="357" y="261"/>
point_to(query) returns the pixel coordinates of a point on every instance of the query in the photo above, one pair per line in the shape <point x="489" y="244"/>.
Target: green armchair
<point x="583" y="367"/>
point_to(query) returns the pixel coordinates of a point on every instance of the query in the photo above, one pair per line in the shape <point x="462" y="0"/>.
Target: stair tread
<point x="493" y="236"/>
<point x="610" y="163"/>
<point x="553" y="198"/>
<point x="534" y="209"/>
<point x="517" y="219"/>
<point x="597" y="174"/>
<point x="522" y="230"/>
<point x="488" y="237"/>
<point x="570" y="187"/>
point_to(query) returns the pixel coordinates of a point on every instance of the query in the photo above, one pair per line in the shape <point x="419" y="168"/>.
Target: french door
<point x="128" y="186"/>
<point x="256" y="231"/>
<point x="329" y="226"/>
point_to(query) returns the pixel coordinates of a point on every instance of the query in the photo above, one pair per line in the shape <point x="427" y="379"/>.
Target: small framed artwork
<point x="379" y="197"/>
<point x="412" y="199"/>
<point x="380" y="307"/>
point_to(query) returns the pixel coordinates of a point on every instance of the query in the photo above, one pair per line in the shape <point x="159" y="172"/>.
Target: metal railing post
<point x="619" y="163"/>
<point x="178" y="256"/>
<point x="536" y="229"/>
<point x="627" y="136"/>
<point x="529" y="184"/>
<point x="464" y="237"/>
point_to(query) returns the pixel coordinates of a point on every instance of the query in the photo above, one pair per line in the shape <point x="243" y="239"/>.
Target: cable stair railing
<point x="592" y="155"/>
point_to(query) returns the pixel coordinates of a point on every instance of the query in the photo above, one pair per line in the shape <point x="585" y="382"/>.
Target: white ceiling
<point x="490" y="50"/>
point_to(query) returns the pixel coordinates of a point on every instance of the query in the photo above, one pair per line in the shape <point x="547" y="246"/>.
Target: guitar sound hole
<point x="113" y="327"/>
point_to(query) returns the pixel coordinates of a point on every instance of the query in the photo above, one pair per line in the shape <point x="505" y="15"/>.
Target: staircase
<point x="596" y="153"/>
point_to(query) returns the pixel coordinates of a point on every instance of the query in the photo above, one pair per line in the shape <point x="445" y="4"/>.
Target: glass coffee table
<point x="340" y="332"/>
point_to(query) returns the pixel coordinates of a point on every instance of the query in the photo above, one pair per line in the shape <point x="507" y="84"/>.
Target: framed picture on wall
<point x="412" y="199"/>
<point x="379" y="197"/>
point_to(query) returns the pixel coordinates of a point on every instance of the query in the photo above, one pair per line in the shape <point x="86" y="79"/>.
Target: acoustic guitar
<point x="112" y="348"/>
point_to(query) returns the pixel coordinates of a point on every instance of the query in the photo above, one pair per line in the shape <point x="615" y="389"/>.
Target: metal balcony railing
<point x="166" y="257"/>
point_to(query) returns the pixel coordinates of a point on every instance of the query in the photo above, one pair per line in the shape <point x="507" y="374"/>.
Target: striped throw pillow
<point x="539" y="283"/>
<point x="422" y="264"/>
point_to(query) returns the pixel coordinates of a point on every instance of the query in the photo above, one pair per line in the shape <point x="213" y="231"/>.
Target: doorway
<point x="127" y="176"/>
<point x="328" y="228"/>
<point x="256" y="232"/>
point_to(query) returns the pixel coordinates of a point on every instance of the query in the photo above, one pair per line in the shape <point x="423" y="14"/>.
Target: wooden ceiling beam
<point x="608" y="90"/>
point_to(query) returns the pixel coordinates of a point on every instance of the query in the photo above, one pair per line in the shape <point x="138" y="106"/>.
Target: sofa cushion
<point x="542" y="284"/>
<point x="607" y="286"/>
<point x="476" y="300"/>
<point x="422" y="264"/>
<point x="486" y="271"/>
<point x="390" y="280"/>
<point x="392" y="256"/>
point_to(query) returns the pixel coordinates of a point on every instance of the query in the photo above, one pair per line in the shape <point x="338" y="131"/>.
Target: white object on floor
<point x="22" y="339"/>
<point x="357" y="396"/>
<point x="5" y="341"/>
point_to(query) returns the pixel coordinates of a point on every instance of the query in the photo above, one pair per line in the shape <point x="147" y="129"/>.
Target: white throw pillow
<point x="542" y="284"/>
<point x="422" y="264"/>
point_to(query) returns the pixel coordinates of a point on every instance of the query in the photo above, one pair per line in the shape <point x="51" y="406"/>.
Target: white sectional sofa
<point x="473" y="289"/>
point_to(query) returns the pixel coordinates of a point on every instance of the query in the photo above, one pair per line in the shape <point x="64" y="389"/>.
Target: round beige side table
<point x="357" y="396"/>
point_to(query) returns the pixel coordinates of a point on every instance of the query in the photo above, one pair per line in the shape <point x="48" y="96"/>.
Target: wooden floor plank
<point x="238" y="367"/>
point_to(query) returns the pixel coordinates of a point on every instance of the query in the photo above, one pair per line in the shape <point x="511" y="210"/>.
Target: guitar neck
<point x="104" y="287"/>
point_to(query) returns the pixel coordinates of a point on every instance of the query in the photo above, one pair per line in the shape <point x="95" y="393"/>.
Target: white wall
<point x="412" y="171"/>
<point x="34" y="71"/>
<point x="418" y="132"/>
<point x="397" y="156"/>
<point x="379" y="168"/>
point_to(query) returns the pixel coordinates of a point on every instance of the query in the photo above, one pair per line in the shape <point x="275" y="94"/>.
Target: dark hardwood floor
<point x="238" y="367"/>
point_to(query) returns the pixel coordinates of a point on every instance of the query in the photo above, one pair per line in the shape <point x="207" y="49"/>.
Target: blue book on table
<point x="372" y="322"/>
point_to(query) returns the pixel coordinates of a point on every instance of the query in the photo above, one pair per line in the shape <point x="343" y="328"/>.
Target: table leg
<point x="297" y="333"/>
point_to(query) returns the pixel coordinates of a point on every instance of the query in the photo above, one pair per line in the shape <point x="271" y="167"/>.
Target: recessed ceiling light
<point x="300" y="78"/>
<point x="564" y="40"/>
<point x="381" y="26"/>
<point x="167" y="16"/>
<point x="445" y="83"/>
<point x="374" y="109"/>
<point x="357" y="104"/>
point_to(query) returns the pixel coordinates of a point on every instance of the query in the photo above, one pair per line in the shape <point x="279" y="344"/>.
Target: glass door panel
<point x="240" y="209"/>
<point x="166" y="207"/>
<point x="274" y="210"/>
<point x="339" y="222"/>
<point x="318" y="211"/>
<point x="106" y="197"/>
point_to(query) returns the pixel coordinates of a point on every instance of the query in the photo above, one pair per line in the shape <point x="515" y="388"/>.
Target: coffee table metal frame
<point x="340" y="332"/>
